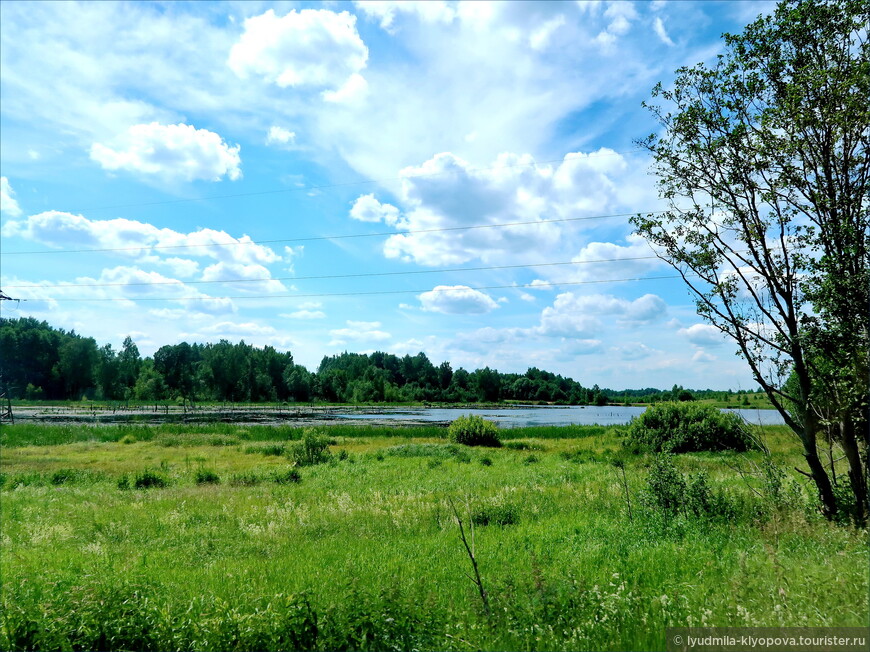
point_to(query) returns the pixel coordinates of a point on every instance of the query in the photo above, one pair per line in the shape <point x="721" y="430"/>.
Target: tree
<point x="764" y="162"/>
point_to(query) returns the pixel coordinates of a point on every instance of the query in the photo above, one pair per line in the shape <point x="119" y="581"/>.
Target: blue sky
<point x="193" y="171"/>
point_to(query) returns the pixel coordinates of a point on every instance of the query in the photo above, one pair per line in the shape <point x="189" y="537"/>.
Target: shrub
<point x="313" y="449"/>
<point x="473" y="430"/>
<point x="485" y="461"/>
<point x="688" y="427"/>
<point x="531" y="459"/>
<point x="245" y="479"/>
<point x="496" y="515"/>
<point x="150" y="479"/>
<point x="62" y="476"/>
<point x="205" y="476"/>
<point x="672" y="493"/>
<point x="290" y="476"/>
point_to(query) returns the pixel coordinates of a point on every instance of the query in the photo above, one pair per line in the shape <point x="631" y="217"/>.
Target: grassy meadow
<point x="209" y="537"/>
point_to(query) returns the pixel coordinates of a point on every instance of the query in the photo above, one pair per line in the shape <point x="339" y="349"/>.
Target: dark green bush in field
<point x="290" y="476"/>
<point x="206" y="476"/>
<point x="313" y="449"/>
<point x="688" y="427"/>
<point x="149" y="480"/>
<point x="670" y="492"/>
<point x="473" y="430"/>
<point x="496" y="515"/>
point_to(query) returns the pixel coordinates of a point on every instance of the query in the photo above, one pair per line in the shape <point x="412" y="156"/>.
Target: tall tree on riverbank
<point x="765" y="163"/>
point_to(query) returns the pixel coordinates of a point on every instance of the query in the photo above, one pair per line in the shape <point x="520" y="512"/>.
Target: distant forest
<point x="39" y="362"/>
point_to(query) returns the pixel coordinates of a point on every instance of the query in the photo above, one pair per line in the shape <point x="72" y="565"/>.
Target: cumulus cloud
<point x="124" y="285"/>
<point x="353" y="90"/>
<point x="280" y="136"/>
<point x="235" y="328"/>
<point x="60" y="230"/>
<point x="308" y="48"/>
<point x="359" y="331"/>
<point x="304" y="314"/>
<point x="256" y="277"/>
<point x="386" y="11"/>
<point x="368" y="209"/>
<point x="578" y="316"/>
<point x="703" y="335"/>
<point x="446" y="194"/>
<point x="457" y="300"/>
<point x="171" y="151"/>
<point x="8" y="203"/>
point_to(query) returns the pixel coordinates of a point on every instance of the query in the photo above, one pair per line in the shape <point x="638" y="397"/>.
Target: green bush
<point x="206" y="476"/>
<point x="670" y="492"/>
<point x="149" y="480"/>
<point x="688" y="427"/>
<point x="496" y="515"/>
<point x="313" y="449"/>
<point x="291" y="476"/>
<point x="473" y="430"/>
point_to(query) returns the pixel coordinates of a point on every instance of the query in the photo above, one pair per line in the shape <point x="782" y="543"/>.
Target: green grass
<point x="363" y="552"/>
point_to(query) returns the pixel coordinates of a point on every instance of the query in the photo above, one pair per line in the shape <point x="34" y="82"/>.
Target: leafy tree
<point x="76" y="365"/>
<point x="150" y="385"/>
<point x="109" y="373"/>
<point x="178" y="366"/>
<point x="129" y="364"/>
<point x="764" y="162"/>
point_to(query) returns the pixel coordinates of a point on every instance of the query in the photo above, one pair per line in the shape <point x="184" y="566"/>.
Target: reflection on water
<point x="546" y="415"/>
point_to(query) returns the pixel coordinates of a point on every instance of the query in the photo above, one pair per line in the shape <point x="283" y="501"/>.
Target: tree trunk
<point x="857" y="472"/>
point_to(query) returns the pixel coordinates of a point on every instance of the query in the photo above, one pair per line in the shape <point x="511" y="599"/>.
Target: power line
<point x="527" y="286"/>
<point x="329" y="237"/>
<point x="276" y="191"/>
<point x="336" y="276"/>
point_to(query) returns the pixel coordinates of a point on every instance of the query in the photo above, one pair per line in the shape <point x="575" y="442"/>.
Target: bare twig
<point x="469" y="549"/>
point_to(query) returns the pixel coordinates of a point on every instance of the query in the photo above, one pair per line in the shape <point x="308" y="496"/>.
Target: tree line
<point x="42" y="362"/>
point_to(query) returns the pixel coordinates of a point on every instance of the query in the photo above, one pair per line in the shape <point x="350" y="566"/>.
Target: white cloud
<point x="368" y="209"/>
<point x="579" y="316"/>
<point x="62" y="230"/>
<point x="305" y="314"/>
<point x="659" y="28"/>
<point x="170" y="151"/>
<point x="183" y="267"/>
<point x="446" y="194"/>
<point x="256" y="278"/>
<point x="234" y="328"/>
<point x="8" y="203"/>
<point x="312" y="47"/>
<point x="125" y="286"/>
<point x="359" y="331"/>
<point x="540" y="37"/>
<point x="703" y="335"/>
<point x="280" y="136"/>
<point x="432" y="11"/>
<point x="353" y="90"/>
<point x="457" y="300"/>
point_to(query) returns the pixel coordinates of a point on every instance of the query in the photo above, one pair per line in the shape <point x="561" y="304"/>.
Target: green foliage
<point x="671" y="492"/>
<point x="473" y="430"/>
<point x="496" y="514"/>
<point x="290" y="476"/>
<point x="313" y="449"/>
<point x="150" y="480"/>
<point x="687" y="427"/>
<point x="207" y="476"/>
